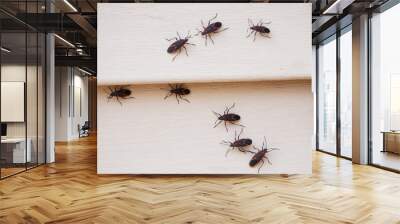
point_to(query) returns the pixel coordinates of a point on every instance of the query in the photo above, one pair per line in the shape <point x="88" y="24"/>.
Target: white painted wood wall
<point x="269" y="80"/>
<point x="132" y="46"/>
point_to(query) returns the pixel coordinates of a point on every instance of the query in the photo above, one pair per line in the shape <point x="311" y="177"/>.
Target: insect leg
<point x="185" y="50"/>
<point x="262" y="164"/>
<point x="168" y="95"/>
<point x="198" y="32"/>
<point x="202" y="24"/>
<point x="268" y="160"/>
<point x="170" y="85"/>
<point x="250" y="33"/>
<point x="241" y="149"/>
<point x="209" y="22"/>
<point x="227" y="151"/>
<point x="177" y="53"/>
<point x="230" y="108"/>
<point x="212" y="41"/>
<point x="226" y="126"/>
<point x="176" y="96"/>
<point x="184" y="99"/>
<point x="241" y="132"/>
<point x="206" y="36"/>
<point x="219" y="122"/>
<point x="255" y="34"/>
<point x="235" y="136"/>
<point x="119" y="100"/>
<point x="179" y="36"/>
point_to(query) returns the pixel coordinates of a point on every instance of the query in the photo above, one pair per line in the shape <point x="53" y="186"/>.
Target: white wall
<point x="67" y="117"/>
<point x="149" y="135"/>
<point x="136" y="47"/>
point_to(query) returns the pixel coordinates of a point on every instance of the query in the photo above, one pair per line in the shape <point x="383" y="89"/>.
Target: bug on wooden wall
<point x="179" y="91"/>
<point x="238" y="143"/>
<point x="178" y="44"/>
<point x="210" y="29"/>
<point x="119" y="92"/>
<point x="259" y="156"/>
<point x="227" y="117"/>
<point x="259" y="28"/>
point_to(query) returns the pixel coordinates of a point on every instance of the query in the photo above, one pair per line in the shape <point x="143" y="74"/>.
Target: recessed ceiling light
<point x="70" y="5"/>
<point x="64" y="40"/>
<point x="5" y="50"/>
<point x="84" y="71"/>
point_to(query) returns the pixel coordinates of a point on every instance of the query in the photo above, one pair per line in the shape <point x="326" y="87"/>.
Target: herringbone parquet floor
<point x="69" y="191"/>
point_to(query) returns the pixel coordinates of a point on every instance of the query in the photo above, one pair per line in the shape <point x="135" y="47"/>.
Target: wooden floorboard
<point x="70" y="191"/>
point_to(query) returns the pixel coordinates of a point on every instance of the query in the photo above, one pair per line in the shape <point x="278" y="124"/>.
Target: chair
<point x="84" y="130"/>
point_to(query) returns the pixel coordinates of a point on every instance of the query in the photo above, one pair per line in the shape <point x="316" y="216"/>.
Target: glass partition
<point x="22" y="101"/>
<point x="385" y="89"/>
<point x="346" y="93"/>
<point x="13" y="95"/>
<point x="327" y="96"/>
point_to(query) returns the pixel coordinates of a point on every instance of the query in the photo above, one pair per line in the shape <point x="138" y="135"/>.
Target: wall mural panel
<point x="232" y="96"/>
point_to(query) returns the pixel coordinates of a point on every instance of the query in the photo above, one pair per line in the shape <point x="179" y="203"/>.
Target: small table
<point x="17" y="151"/>
<point x="391" y="141"/>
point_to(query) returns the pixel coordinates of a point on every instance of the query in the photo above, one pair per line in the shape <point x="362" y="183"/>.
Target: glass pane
<point x="13" y="87"/>
<point x="327" y="97"/>
<point x="41" y="98"/>
<point x="31" y="100"/>
<point x="346" y="93"/>
<point x="386" y="89"/>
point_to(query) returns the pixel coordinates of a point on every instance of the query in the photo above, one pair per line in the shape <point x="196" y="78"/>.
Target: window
<point x="327" y="96"/>
<point x="346" y="93"/>
<point x="385" y="89"/>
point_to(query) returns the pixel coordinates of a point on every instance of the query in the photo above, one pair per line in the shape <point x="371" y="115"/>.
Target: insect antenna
<point x="217" y="114"/>
<point x="224" y="142"/>
<point x="272" y="149"/>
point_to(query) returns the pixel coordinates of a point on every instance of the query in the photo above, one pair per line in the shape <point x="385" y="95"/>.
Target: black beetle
<point x="258" y="28"/>
<point x="227" y="117"/>
<point x="178" y="44"/>
<point x="119" y="92"/>
<point x="179" y="90"/>
<point x="238" y="143"/>
<point x="259" y="156"/>
<point x="210" y="29"/>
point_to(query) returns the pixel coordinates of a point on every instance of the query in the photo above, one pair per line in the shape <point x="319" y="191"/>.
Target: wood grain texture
<point x="150" y="135"/>
<point x="70" y="191"/>
<point x="135" y="50"/>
